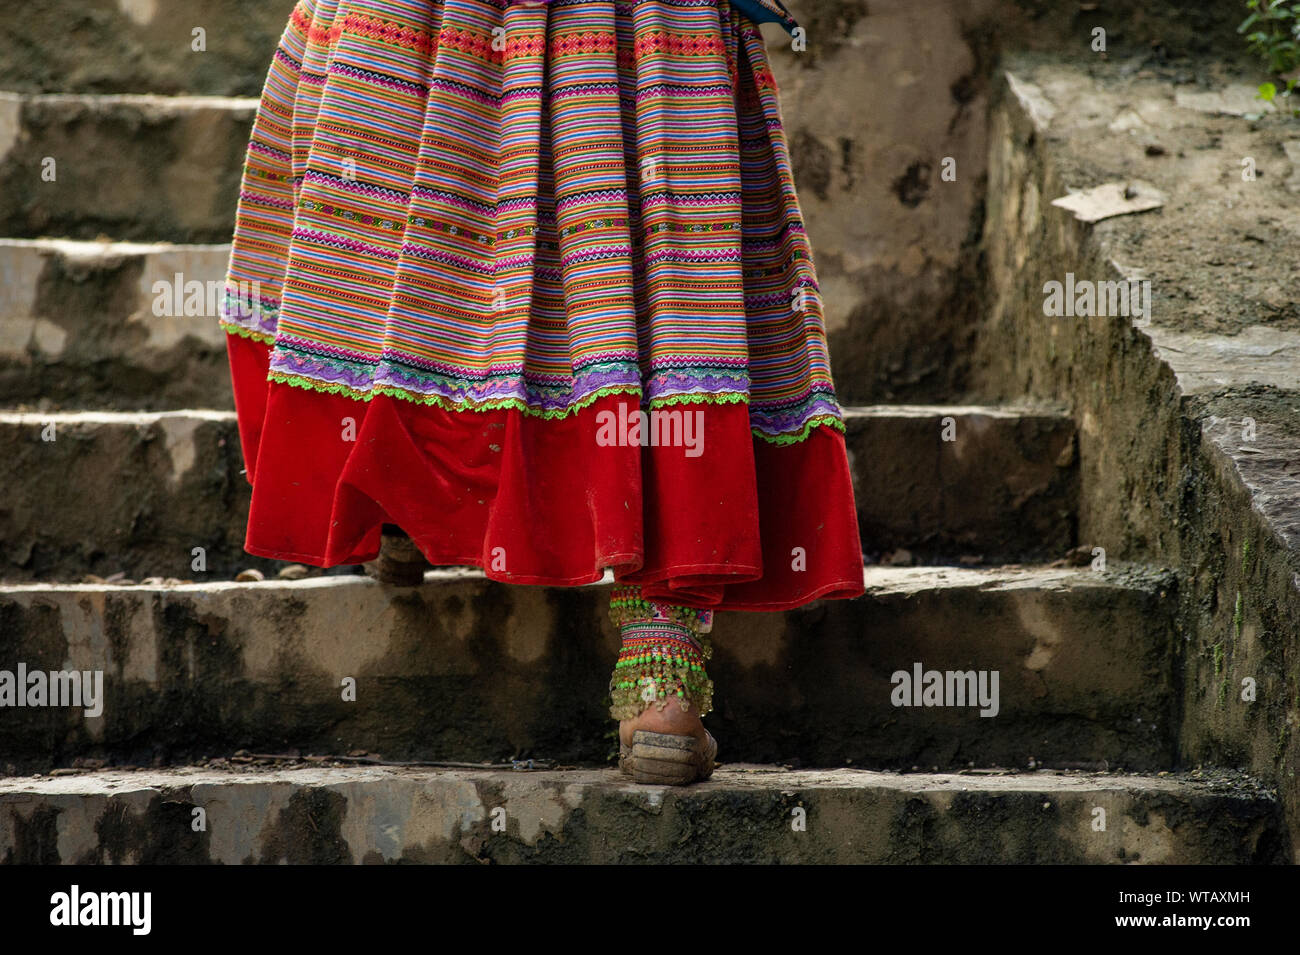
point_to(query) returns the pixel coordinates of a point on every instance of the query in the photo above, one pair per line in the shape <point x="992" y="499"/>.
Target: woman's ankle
<point x="672" y="719"/>
<point x="659" y="683"/>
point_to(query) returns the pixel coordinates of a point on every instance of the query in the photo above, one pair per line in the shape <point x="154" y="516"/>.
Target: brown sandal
<point x="665" y="760"/>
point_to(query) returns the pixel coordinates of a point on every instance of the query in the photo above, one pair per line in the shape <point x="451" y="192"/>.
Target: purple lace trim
<point x="659" y="388"/>
<point x="261" y="317"/>
<point x="364" y="375"/>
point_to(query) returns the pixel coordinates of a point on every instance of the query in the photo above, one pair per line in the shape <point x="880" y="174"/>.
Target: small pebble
<point x="293" y="572"/>
<point x="251" y="573"/>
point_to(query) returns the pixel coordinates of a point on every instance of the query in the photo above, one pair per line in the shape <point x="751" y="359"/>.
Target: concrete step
<point x="127" y="166"/>
<point x="463" y="668"/>
<point x="110" y="46"/>
<point x="745" y="814"/>
<point x="999" y="491"/>
<point x="101" y="492"/>
<point x="112" y="325"/>
<point x="998" y="483"/>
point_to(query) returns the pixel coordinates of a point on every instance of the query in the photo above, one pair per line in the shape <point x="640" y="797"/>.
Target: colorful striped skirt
<point x="530" y="280"/>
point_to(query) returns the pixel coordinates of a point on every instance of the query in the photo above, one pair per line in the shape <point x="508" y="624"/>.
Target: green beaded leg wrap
<point x="662" y="658"/>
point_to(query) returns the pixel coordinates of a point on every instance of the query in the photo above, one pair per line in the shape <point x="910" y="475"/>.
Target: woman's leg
<point x="400" y="562"/>
<point x="660" y="687"/>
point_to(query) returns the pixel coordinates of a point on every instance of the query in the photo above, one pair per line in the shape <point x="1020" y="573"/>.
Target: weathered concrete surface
<point x="466" y="669"/>
<point x="102" y="492"/>
<point x="946" y="481"/>
<point x="141" y="46"/>
<point x="892" y="235"/>
<point x="1189" y="422"/>
<point x="153" y="168"/>
<point x="90" y="325"/>
<point x="1002" y="489"/>
<point x="745" y="814"/>
<point x="887" y="115"/>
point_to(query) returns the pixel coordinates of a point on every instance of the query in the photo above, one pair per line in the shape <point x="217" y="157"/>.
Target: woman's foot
<point x="666" y="747"/>
<point x="672" y="720"/>
<point x="660" y="690"/>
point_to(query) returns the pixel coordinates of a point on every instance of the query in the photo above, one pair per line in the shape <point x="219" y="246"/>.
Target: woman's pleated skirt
<point x="530" y="280"/>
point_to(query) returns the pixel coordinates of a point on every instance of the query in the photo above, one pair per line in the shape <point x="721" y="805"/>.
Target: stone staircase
<point x="477" y="730"/>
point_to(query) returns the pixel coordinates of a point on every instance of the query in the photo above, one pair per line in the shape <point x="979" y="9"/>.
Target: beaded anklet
<point x="663" y="655"/>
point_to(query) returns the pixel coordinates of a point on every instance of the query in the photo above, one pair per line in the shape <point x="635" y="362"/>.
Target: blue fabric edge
<point x="760" y="14"/>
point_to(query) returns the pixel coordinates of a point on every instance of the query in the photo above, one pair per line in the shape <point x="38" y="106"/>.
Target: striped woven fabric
<point x="486" y="204"/>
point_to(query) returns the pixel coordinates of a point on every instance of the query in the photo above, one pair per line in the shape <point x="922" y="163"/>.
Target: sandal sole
<point x="664" y="760"/>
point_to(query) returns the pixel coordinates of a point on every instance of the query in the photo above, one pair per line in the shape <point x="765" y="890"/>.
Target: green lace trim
<point x="496" y="404"/>
<point x="727" y="398"/>
<point x="794" y="437"/>
<point x="438" y="401"/>
<point x="297" y="381"/>
<point x="231" y="329"/>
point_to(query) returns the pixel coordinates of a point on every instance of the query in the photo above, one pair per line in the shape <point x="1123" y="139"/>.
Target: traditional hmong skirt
<point x="530" y="280"/>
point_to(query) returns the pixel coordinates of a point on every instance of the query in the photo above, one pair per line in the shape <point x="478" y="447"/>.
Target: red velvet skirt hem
<point x="724" y="521"/>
